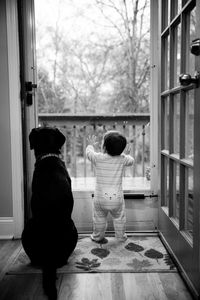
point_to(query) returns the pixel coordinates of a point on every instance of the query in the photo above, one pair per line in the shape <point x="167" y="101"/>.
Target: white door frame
<point x="154" y="96"/>
<point x="15" y="118"/>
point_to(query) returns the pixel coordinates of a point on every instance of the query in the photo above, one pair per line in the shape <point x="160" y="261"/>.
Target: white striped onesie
<point x="108" y="195"/>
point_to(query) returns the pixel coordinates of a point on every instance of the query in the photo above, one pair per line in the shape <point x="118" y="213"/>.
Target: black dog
<point x="50" y="236"/>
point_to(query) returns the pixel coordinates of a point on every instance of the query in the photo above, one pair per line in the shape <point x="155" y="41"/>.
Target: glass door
<point x="180" y="134"/>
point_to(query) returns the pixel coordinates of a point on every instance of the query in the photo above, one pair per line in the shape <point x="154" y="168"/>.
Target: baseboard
<point x="182" y="272"/>
<point x="6" y="228"/>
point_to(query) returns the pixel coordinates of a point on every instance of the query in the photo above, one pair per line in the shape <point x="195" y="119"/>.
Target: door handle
<point x="186" y="79"/>
<point x="30" y="86"/>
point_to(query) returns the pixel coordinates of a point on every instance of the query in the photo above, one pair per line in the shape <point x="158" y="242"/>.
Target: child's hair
<point x="114" y="143"/>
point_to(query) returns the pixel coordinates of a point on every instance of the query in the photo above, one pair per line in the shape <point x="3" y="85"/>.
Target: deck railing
<point x="77" y="128"/>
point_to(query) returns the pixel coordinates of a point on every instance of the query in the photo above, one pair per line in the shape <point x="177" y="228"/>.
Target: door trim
<point x="15" y="117"/>
<point x="154" y="94"/>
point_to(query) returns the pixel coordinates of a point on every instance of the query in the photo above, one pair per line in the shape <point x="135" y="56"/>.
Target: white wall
<point x="6" y="207"/>
<point x="11" y="176"/>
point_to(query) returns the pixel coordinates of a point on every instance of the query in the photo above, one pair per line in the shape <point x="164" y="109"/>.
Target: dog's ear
<point x="60" y="138"/>
<point x="33" y="138"/>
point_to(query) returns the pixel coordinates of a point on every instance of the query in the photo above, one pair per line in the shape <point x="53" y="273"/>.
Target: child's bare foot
<point x="102" y="241"/>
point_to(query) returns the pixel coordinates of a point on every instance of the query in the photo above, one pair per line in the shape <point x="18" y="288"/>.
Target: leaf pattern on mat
<point x="119" y="258"/>
<point x="87" y="265"/>
<point x="169" y="262"/>
<point x="134" y="247"/>
<point x="111" y="261"/>
<point x="100" y="252"/>
<point x="139" y="265"/>
<point x="154" y="254"/>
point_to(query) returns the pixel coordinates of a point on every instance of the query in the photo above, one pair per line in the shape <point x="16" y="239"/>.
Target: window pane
<point x="192" y="36"/>
<point x="189" y="141"/>
<point x="176" y="7"/>
<point x="179" y="5"/>
<point x="189" y="203"/>
<point x="177" y="192"/>
<point x="165" y="63"/>
<point x="169" y="11"/>
<point x="176" y="123"/>
<point x="177" y="53"/>
<point x="165" y="180"/>
<point x="165" y="120"/>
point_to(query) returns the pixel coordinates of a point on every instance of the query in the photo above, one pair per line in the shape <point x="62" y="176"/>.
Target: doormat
<point x="138" y="254"/>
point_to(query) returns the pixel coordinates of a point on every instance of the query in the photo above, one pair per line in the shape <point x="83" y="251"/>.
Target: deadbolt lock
<point x="30" y="86"/>
<point x="195" y="47"/>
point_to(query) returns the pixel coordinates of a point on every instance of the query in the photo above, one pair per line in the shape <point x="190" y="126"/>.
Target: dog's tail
<point x="49" y="282"/>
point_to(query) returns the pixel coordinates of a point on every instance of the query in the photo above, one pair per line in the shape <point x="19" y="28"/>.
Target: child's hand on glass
<point x="92" y="140"/>
<point x="127" y="150"/>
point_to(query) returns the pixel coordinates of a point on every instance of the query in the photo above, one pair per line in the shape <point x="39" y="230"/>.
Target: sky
<point x="78" y="18"/>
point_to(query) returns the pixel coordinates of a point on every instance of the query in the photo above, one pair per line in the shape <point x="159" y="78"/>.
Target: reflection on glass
<point x="189" y="204"/>
<point x="166" y="123"/>
<point x="169" y="11"/>
<point x="189" y="126"/>
<point x="167" y="63"/>
<point x="176" y="123"/>
<point x="165" y="180"/>
<point x="179" y="5"/>
<point x="165" y="46"/>
<point x="177" y="55"/>
<point x="177" y="191"/>
<point x="191" y="62"/>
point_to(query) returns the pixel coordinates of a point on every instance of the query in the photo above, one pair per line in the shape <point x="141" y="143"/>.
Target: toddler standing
<point x="108" y="196"/>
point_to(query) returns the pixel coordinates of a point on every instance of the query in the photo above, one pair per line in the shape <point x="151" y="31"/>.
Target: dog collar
<point x="48" y="155"/>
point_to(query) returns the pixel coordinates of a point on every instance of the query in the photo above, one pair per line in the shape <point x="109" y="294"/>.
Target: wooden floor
<point x="101" y="286"/>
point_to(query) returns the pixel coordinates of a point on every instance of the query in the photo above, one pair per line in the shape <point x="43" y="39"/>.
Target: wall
<point x="6" y="207"/>
<point x="11" y="163"/>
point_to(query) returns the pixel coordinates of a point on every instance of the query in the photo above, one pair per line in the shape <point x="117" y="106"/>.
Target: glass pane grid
<point x="177" y="113"/>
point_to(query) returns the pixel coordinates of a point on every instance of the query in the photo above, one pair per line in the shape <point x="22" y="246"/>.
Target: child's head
<point x="114" y="143"/>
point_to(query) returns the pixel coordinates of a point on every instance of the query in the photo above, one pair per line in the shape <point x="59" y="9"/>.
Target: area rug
<point x="136" y="254"/>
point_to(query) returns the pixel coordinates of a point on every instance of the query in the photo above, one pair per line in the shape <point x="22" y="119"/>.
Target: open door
<point x="28" y="78"/>
<point x="180" y="134"/>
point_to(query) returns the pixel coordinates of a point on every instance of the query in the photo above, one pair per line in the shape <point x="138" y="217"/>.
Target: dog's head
<point x="46" y="140"/>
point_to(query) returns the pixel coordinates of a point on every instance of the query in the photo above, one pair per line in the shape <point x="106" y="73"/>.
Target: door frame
<point x="154" y="95"/>
<point x="27" y="44"/>
<point x="18" y="172"/>
<point x="22" y="159"/>
<point x="15" y="117"/>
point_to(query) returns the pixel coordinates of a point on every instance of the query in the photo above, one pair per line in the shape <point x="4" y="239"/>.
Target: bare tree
<point x="110" y="72"/>
<point x="135" y="43"/>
